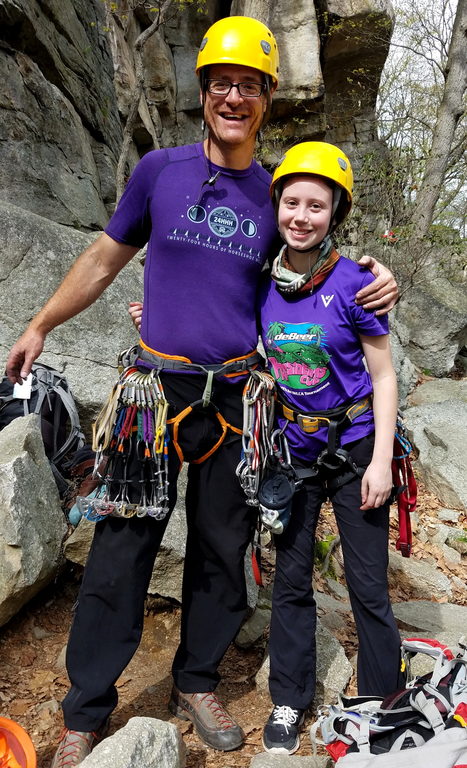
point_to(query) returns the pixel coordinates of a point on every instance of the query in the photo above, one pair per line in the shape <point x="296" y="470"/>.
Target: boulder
<point x="36" y="255"/>
<point x="144" y="742"/>
<point x="32" y="524"/>
<point x="437" y="430"/>
<point x="435" y="318"/>
<point x="422" y="580"/>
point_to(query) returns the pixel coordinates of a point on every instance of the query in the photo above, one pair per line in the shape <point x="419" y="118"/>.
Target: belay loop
<point x="135" y="414"/>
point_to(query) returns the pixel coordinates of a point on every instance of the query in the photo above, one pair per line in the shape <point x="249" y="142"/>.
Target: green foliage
<point x="322" y="551"/>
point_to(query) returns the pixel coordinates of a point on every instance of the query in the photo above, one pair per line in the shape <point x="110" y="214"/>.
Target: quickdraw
<point x="133" y="418"/>
<point x="258" y="419"/>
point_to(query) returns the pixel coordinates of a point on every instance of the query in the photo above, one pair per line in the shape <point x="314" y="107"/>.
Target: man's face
<point x="234" y="120"/>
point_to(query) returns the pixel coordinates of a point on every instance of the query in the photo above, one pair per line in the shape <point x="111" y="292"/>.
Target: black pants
<point x="364" y="539"/>
<point x="108" y="623"/>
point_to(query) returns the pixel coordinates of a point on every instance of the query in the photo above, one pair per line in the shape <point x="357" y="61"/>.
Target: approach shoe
<point x="74" y="746"/>
<point x="281" y="732"/>
<point x="213" y="724"/>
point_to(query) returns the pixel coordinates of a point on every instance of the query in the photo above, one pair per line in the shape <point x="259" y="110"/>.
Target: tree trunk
<point x="449" y="114"/>
<point x="135" y="100"/>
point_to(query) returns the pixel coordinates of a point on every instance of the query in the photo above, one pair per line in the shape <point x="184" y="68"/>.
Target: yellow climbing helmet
<point x="318" y="158"/>
<point x="240" y="40"/>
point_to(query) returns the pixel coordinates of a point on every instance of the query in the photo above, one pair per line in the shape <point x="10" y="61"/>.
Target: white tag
<point x="23" y="391"/>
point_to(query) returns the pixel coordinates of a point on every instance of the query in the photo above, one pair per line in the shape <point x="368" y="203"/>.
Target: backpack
<point x="52" y="401"/>
<point x="360" y="729"/>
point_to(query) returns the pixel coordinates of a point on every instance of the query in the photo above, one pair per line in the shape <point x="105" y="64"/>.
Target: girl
<point x="339" y="418"/>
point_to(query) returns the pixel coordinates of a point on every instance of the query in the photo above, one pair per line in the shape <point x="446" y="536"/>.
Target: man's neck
<point x="237" y="158"/>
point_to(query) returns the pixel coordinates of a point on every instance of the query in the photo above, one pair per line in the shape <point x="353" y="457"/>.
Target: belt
<point x="311" y="422"/>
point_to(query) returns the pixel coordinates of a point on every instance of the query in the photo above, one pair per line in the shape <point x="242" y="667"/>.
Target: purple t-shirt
<point x="314" y="352"/>
<point x="206" y="248"/>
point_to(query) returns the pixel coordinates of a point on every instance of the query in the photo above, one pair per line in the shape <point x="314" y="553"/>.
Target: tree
<point x="421" y="116"/>
<point x="123" y="12"/>
<point x="449" y="114"/>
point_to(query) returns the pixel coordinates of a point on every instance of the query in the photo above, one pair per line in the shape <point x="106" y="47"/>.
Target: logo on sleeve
<point x="327" y="299"/>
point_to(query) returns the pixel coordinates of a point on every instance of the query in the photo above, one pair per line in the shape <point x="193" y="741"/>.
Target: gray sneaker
<point x="212" y="722"/>
<point x="74" y="746"/>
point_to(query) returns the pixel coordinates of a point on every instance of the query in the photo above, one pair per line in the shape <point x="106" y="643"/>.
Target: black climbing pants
<point x="108" y="622"/>
<point x="364" y="540"/>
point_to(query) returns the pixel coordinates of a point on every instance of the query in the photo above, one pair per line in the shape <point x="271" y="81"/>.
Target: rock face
<point x="36" y="255"/>
<point x="438" y="431"/>
<point x="60" y="125"/>
<point x="32" y="524"/>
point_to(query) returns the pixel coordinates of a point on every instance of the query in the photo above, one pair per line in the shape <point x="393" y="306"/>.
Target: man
<point x="205" y="213"/>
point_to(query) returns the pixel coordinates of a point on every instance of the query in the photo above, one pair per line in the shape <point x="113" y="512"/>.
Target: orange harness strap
<point x="176" y="421"/>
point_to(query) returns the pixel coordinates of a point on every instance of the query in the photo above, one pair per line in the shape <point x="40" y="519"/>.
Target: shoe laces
<point x="286" y="716"/>
<point x="71" y="744"/>
<point x="216" y="708"/>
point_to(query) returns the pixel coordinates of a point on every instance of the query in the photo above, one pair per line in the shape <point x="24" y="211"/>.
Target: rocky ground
<point x="33" y="679"/>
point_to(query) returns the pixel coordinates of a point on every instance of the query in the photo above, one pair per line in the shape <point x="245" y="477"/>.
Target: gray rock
<point x="438" y="391"/>
<point x="333" y="669"/>
<point x="36" y="255"/>
<point x="423" y="581"/>
<point x="58" y="104"/>
<point x="431" y="617"/>
<point x="32" y="524"/>
<point x="448" y="515"/>
<point x="266" y="760"/>
<point x="438" y="432"/>
<point x="433" y="345"/>
<point x="144" y="742"/>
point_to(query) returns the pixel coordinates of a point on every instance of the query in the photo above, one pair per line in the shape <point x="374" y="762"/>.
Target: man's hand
<point x="135" y="310"/>
<point x="383" y="293"/>
<point x="22" y="355"/>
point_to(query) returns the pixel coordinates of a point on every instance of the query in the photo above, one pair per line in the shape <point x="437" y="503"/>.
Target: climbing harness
<point x="333" y="459"/>
<point x="136" y="407"/>
<point x="133" y="424"/>
<point x="405" y="486"/>
<point x="230" y="369"/>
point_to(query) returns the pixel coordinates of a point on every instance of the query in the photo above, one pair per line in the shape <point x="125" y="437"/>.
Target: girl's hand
<point x="135" y="310"/>
<point x="376" y="485"/>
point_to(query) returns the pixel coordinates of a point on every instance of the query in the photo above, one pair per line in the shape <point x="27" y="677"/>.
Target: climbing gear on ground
<point x="136" y="408"/>
<point x="243" y="41"/>
<point x="48" y="395"/>
<point x="318" y="158"/>
<point x="407" y="718"/>
<point x="404" y="485"/>
<point x="16" y="747"/>
<point x="281" y="732"/>
<point x="75" y="746"/>
<point x="213" y="724"/>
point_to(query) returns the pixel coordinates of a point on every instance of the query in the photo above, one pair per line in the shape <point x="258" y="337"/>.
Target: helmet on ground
<point x="240" y="40"/>
<point x="318" y="158"/>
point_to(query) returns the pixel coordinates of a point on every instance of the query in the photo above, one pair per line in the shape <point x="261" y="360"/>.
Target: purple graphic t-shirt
<point x="314" y="352"/>
<point x="206" y="247"/>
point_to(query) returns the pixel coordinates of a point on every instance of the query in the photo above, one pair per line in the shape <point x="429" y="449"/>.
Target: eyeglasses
<point x="223" y="88"/>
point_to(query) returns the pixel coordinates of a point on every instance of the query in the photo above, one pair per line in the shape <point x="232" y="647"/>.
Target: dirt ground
<point x="33" y="679"/>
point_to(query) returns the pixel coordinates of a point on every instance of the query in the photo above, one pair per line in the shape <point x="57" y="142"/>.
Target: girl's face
<point x="305" y="209"/>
